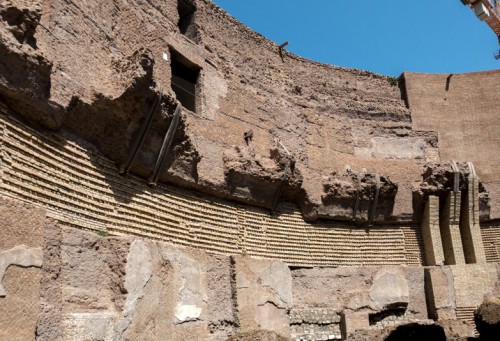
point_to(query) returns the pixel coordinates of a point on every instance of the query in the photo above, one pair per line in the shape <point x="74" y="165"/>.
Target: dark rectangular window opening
<point x="184" y="80"/>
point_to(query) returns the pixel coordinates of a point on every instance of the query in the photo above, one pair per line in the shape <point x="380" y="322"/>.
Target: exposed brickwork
<point x="391" y="320"/>
<point x="491" y="242"/>
<point x="463" y="110"/>
<point x="81" y="188"/>
<point x="315" y="324"/>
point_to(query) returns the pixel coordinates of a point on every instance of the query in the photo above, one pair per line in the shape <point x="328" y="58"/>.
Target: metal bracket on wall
<point x="375" y="199"/>
<point x="139" y="140"/>
<point x="166" y="145"/>
<point x="358" y="195"/>
<point x="456" y="188"/>
<point x="472" y="182"/>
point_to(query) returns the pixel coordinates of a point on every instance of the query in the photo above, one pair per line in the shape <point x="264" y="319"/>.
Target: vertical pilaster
<point x="450" y="229"/>
<point x="433" y="248"/>
<point x="469" y="224"/>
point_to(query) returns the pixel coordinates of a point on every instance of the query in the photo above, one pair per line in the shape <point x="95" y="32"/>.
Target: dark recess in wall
<point x="402" y="89"/>
<point x="417" y="332"/>
<point x="184" y="80"/>
<point x="186" y="10"/>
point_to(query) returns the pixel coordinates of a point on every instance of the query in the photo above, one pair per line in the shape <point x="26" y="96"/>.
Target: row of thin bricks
<point x="82" y="189"/>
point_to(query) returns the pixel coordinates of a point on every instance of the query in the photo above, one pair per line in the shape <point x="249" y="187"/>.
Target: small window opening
<point x="186" y="10"/>
<point x="184" y="80"/>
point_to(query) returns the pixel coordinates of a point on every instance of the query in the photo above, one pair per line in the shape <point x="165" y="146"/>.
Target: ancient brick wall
<point x="337" y="123"/>
<point x="80" y="188"/>
<point x="350" y="118"/>
<point x="491" y="242"/>
<point x="463" y="110"/>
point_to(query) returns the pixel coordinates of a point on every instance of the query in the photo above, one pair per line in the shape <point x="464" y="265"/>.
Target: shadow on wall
<point x="417" y="332"/>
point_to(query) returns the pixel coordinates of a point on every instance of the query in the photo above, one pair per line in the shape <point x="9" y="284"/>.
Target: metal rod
<point x="358" y="193"/>
<point x="375" y="200"/>
<point x="283" y="45"/>
<point x="139" y="140"/>
<point x="472" y="180"/>
<point x="456" y="188"/>
<point x="166" y="145"/>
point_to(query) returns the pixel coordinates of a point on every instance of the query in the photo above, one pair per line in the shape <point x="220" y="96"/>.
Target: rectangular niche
<point x="185" y="81"/>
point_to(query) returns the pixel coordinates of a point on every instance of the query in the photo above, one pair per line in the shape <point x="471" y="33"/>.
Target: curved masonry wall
<point x="339" y="281"/>
<point x="82" y="189"/>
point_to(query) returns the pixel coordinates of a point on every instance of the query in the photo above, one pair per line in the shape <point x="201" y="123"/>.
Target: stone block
<point x="440" y="292"/>
<point x="389" y="288"/>
<point x="434" y="254"/>
<point x="263" y="294"/>
<point x="417" y="304"/>
<point x="450" y="229"/>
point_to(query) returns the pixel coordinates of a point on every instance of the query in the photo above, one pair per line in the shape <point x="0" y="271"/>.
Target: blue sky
<point x="383" y="36"/>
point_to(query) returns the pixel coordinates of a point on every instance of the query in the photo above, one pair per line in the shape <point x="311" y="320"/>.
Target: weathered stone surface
<point x="330" y="119"/>
<point x="94" y="326"/>
<point x="250" y="175"/>
<point x="389" y="289"/>
<point x="22" y="18"/>
<point x="458" y="329"/>
<point x="126" y="288"/>
<point x="438" y="179"/>
<point x="487" y="318"/>
<point x="21" y="224"/>
<point x="261" y="335"/>
<point x="21" y="244"/>
<point x="138" y="273"/>
<point x="49" y="324"/>
<point x="370" y="289"/>
<point x="20" y="256"/>
<point x="263" y="294"/>
<point x="346" y="287"/>
<point x="441" y="292"/>
<point x="353" y="118"/>
<point x="417" y="303"/>
<point x="351" y="196"/>
<point x="221" y="309"/>
<point x="351" y="322"/>
<point x="472" y="282"/>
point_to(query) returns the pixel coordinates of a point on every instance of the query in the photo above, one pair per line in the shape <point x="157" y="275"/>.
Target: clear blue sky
<point x="383" y="36"/>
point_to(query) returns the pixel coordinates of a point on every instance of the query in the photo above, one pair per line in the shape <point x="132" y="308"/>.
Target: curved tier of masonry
<point x="81" y="188"/>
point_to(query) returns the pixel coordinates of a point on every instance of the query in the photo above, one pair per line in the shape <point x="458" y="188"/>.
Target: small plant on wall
<point x="103" y="233"/>
<point x="394" y="81"/>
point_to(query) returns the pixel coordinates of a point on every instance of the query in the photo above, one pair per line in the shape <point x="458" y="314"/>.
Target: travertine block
<point x="440" y="292"/>
<point x="469" y="225"/>
<point x="263" y="294"/>
<point x="433" y="248"/>
<point x="450" y="229"/>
